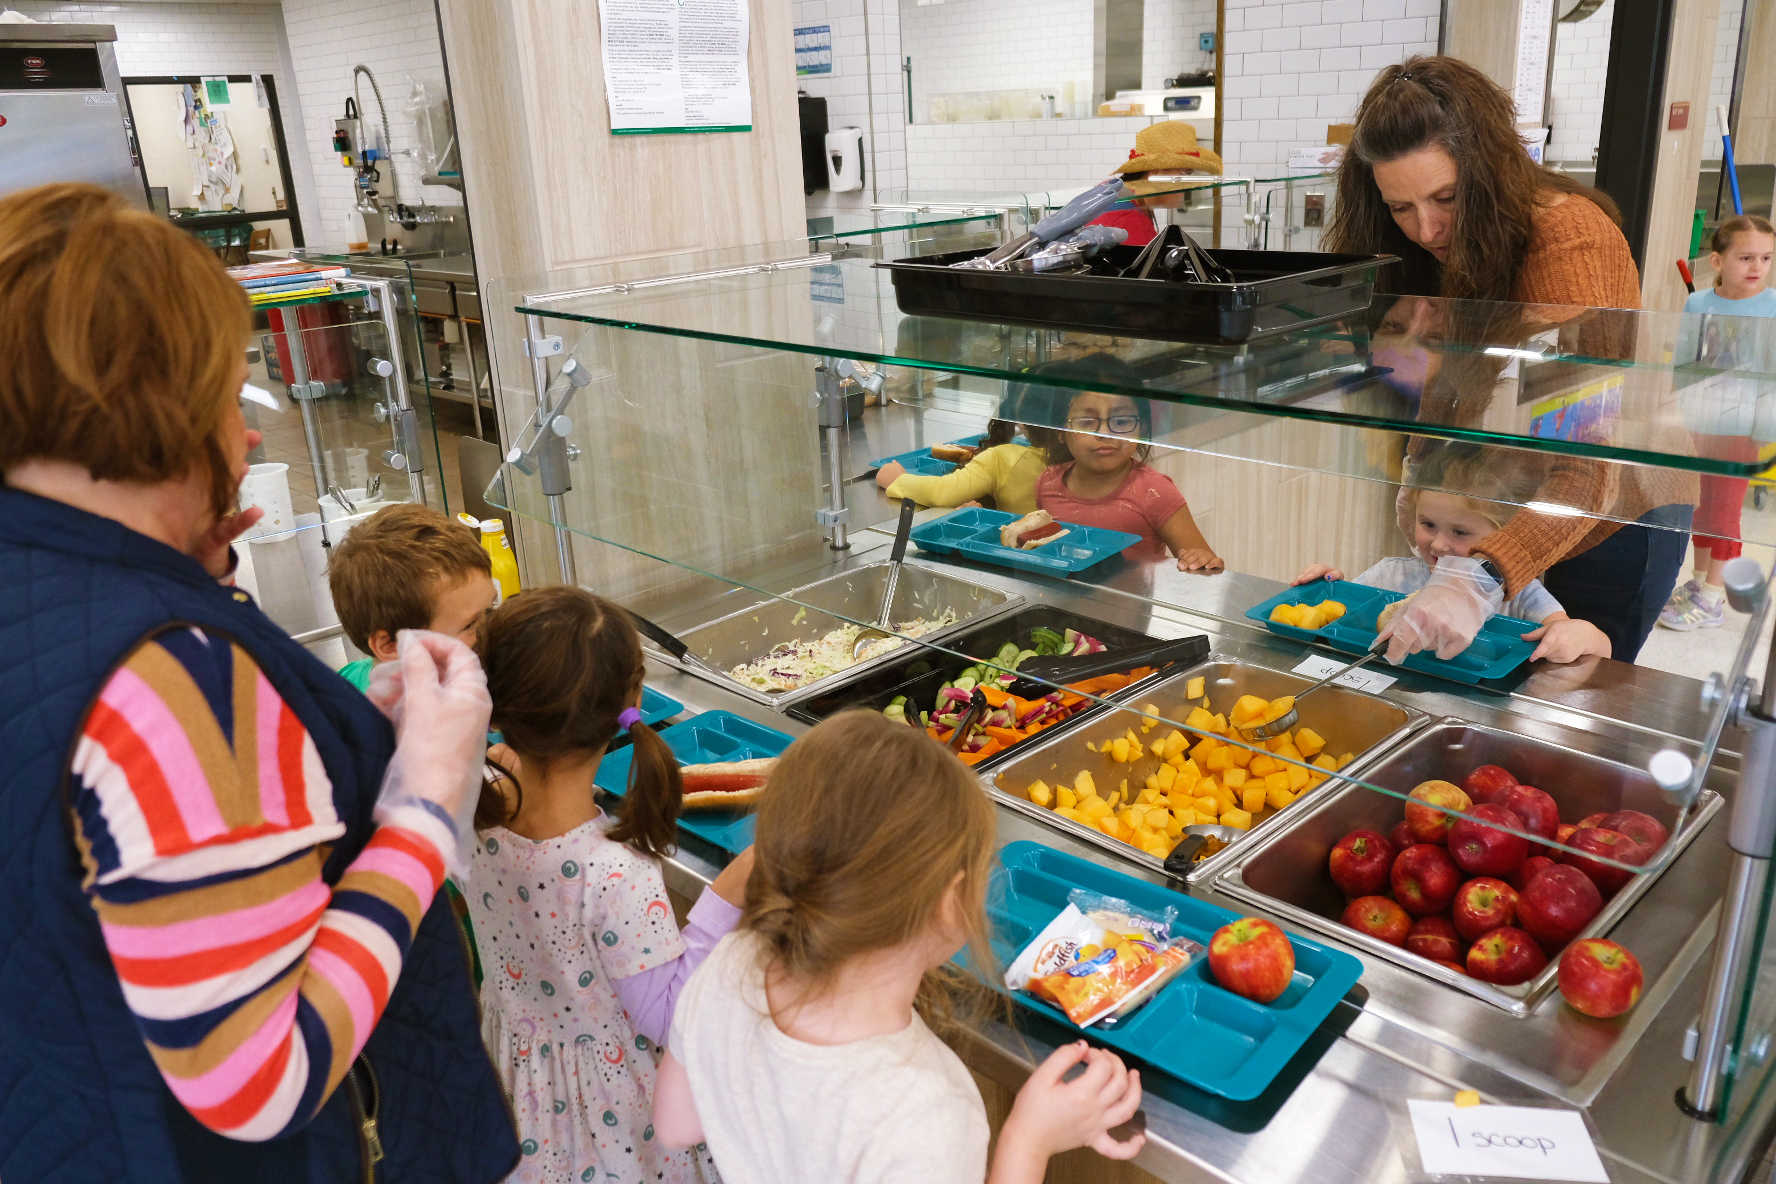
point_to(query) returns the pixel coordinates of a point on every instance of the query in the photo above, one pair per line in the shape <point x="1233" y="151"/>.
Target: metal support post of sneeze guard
<point x="1752" y="837"/>
<point x="836" y="379"/>
<point x="544" y="452"/>
<point x="406" y="453"/>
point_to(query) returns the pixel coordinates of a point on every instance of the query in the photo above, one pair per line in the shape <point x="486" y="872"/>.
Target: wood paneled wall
<point x="695" y="449"/>
<point x="1688" y="74"/>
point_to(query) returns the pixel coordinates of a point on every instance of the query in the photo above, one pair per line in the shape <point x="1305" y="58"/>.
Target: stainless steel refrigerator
<point x="62" y="112"/>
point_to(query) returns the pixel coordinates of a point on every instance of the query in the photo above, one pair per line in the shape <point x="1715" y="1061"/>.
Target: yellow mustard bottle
<point x="505" y="564"/>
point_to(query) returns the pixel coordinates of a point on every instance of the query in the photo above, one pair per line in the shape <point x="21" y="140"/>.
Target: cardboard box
<point x="1121" y="107"/>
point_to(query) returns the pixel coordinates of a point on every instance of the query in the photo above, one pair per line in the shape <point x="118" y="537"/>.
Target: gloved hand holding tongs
<point x="1063" y="222"/>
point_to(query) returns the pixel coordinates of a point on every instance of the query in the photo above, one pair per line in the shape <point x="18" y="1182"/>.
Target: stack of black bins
<point x="919" y="675"/>
<point x="1277" y="292"/>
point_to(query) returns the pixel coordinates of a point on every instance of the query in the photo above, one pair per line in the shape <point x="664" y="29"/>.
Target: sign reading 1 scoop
<point x="676" y="66"/>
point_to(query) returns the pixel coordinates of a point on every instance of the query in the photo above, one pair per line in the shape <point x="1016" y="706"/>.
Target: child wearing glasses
<point x="1109" y="484"/>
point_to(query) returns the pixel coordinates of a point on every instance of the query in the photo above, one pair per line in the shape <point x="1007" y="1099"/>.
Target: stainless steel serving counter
<point x="1338" y="1112"/>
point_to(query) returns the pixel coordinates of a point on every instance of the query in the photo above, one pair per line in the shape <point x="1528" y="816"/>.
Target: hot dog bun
<point x="725" y="785"/>
<point x="1035" y="529"/>
<point x="959" y="454"/>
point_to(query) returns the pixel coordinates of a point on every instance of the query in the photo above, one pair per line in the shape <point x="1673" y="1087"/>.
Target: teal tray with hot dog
<point x="974" y="534"/>
<point x="1496" y="651"/>
<point x="704" y="739"/>
<point x="1194" y="1029"/>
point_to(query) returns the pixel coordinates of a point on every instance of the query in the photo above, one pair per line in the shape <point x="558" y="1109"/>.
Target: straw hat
<point x="1167" y="147"/>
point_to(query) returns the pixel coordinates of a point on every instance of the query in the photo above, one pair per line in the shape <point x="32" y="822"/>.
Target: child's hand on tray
<point x="1316" y="571"/>
<point x="1200" y="560"/>
<point x="1564" y="639"/>
<point x="889" y="473"/>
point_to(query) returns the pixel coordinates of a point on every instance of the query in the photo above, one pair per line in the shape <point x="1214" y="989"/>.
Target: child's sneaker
<point x="1691" y="608"/>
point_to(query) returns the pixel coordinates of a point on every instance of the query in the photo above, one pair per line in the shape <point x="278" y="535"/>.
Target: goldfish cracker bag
<point x="1100" y="959"/>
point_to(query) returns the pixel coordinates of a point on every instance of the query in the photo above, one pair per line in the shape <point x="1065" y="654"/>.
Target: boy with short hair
<point x="407" y="567"/>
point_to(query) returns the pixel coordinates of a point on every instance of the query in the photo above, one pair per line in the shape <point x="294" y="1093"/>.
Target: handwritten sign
<point x="1318" y="666"/>
<point x="1513" y="1142"/>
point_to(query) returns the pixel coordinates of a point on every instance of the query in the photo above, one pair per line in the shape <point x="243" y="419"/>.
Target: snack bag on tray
<point x="1101" y="958"/>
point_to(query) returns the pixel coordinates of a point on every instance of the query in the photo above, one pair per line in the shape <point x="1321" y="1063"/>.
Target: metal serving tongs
<point x="977" y="707"/>
<point x="869" y="637"/>
<point x="668" y="641"/>
<point x="1052" y="672"/>
<point x="1287" y="721"/>
<point x="1174" y="251"/>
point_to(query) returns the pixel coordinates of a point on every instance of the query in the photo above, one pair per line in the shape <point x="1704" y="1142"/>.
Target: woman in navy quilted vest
<point x="223" y="952"/>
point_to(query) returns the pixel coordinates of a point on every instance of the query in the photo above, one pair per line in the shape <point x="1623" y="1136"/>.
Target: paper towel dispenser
<point x="844" y="159"/>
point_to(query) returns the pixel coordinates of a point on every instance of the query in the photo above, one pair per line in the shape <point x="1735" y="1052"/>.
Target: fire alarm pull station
<point x="1679" y="120"/>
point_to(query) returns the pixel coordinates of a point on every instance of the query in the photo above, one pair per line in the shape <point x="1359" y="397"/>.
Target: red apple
<point x="1644" y="829"/>
<point x="1252" y="957"/>
<point x="1539" y="813"/>
<point x="1434" y="938"/>
<point x="1611" y="844"/>
<point x="1506" y="956"/>
<point x="1429" y="824"/>
<point x="1378" y="917"/>
<point x="1455" y="966"/>
<point x="1563" y="835"/>
<point x="1556" y="906"/>
<point x="1482" y="905"/>
<point x="1600" y="978"/>
<point x="1592" y="820"/>
<point x="1424" y="879"/>
<point x="1481" y="848"/>
<point x="1401" y="837"/>
<point x="1360" y="862"/>
<point x="1520" y="878"/>
<point x="1487" y="782"/>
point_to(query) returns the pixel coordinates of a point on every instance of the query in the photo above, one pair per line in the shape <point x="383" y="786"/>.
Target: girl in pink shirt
<point x="1107" y="484"/>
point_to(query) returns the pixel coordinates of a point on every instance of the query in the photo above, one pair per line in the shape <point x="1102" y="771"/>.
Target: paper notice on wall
<point x="1535" y="32"/>
<point x="676" y="66"/>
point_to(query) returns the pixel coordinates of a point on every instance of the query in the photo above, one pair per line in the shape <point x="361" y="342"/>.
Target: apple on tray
<point x="1435" y="938"/>
<point x="1487" y="782"/>
<point x="1401" y="837"/>
<point x="1379" y="917"/>
<point x="1600" y="978"/>
<point x="1424" y="879"/>
<point x="1556" y="906"/>
<point x="1592" y="820"/>
<point x="1607" y="844"/>
<point x="1480" y="844"/>
<point x="1360" y="862"/>
<point x="1506" y="957"/>
<point x="1482" y="905"/>
<point x="1644" y="829"/>
<point x="1520" y="878"/>
<point x="1537" y="809"/>
<point x="1252" y="957"/>
<point x="1428" y="822"/>
<point x="1563" y="835"/>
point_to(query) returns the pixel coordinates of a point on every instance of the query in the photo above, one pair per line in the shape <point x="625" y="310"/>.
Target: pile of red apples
<point x="1452" y="883"/>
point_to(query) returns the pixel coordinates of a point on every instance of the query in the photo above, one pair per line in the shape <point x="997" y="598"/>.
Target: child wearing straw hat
<point x="1165" y="155"/>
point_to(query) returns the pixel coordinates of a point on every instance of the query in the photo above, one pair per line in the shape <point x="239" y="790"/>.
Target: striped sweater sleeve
<point x="201" y="809"/>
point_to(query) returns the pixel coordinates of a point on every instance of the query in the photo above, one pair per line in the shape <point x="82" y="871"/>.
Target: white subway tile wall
<point x="1720" y="87"/>
<point x="395" y="39"/>
<point x="860" y="82"/>
<point x="1581" y="64"/>
<point x="1017" y="155"/>
<point x="162" y="39"/>
<point x="1169" y="31"/>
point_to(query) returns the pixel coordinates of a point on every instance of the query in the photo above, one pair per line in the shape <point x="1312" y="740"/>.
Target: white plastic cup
<point x="357" y="468"/>
<point x="268" y="487"/>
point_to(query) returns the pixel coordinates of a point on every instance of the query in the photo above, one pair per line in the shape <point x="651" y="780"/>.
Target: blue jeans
<point x="1621" y="584"/>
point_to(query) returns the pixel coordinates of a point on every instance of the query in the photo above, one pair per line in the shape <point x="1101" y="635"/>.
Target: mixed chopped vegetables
<point x="1011" y="718"/>
<point x="795" y="664"/>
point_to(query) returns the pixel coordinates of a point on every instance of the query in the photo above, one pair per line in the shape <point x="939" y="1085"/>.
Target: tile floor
<point x="1701" y="652"/>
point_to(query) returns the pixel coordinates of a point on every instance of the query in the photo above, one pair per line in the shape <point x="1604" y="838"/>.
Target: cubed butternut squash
<point x="1238" y="819"/>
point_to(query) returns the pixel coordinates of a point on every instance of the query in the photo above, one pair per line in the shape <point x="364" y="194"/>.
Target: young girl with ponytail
<point x="800" y="1051"/>
<point x="584" y="961"/>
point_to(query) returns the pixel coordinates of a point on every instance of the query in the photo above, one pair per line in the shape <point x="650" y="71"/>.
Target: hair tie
<point x="629" y="718"/>
<point x="1403" y="76"/>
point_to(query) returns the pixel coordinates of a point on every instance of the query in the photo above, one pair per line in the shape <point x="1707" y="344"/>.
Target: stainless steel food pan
<point x="1349" y="720"/>
<point x="1285" y="871"/>
<point x="855" y="595"/>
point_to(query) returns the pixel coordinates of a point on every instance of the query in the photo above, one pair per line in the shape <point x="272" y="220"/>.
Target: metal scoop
<point x="668" y="641"/>
<point x="1287" y="721"/>
<point x="870" y="636"/>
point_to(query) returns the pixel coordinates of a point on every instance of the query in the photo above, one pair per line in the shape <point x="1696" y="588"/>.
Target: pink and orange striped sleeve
<point x="201" y="807"/>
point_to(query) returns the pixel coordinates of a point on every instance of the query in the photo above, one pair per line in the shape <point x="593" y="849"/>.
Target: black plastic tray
<point x="1278" y="291"/>
<point x="919" y="676"/>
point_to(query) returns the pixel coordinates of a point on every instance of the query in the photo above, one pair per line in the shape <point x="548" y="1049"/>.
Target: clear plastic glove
<point x="440" y="739"/>
<point x="385" y="689"/>
<point x="1447" y="613"/>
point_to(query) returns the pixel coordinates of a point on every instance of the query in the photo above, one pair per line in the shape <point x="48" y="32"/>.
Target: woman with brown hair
<point x="1437" y="175"/>
<point x="224" y="955"/>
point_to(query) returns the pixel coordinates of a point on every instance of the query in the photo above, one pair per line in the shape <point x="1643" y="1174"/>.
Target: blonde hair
<point x="1722" y="240"/>
<point x="863" y="828"/>
<point x="1494" y="482"/>
<point x="123" y="339"/>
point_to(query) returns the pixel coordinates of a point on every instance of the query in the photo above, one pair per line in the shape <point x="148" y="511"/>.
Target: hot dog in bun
<point x="1035" y="529"/>
<point x="959" y="454"/>
<point x="725" y="785"/>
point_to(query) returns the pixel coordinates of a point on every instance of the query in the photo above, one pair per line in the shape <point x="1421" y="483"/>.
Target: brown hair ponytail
<point x="562" y="665"/>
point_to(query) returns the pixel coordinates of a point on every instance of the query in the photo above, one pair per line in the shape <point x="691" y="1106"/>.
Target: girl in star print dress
<point x="583" y="958"/>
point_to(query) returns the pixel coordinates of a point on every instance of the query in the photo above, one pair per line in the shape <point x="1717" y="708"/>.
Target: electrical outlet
<point x="1205" y="42"/>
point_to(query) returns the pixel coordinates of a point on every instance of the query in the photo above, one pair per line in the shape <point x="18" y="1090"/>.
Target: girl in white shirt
<point x="800" y="1052"/>
<point x="1454" y="498"/>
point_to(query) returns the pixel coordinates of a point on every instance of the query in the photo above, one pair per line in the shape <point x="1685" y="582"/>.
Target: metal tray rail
<point x="1284" y="872"/>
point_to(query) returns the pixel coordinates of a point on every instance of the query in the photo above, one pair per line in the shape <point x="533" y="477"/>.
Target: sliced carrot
<point x="1008" y="735"/>
<point x="995" y="696"/>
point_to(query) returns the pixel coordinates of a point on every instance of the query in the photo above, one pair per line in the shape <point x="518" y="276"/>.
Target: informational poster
<point x="1535" y="33"/>
<point x="216" y="92"/>
<point x="676" y="66"/>
<point x="813" y="50"/>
